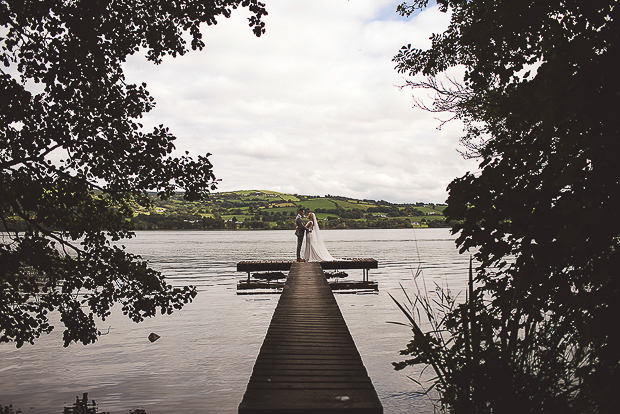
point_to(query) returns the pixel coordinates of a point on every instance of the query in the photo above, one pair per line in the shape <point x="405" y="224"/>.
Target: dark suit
<point x="300" y="231"/>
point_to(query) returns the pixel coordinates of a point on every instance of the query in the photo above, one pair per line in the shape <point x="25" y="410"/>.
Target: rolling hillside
<point x="258" y="209"/>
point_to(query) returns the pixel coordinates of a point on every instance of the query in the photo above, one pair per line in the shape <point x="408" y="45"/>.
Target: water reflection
<point x="204" y="357"/>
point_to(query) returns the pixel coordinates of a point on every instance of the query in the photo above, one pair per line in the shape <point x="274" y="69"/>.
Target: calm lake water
<point x="204" y="358"/>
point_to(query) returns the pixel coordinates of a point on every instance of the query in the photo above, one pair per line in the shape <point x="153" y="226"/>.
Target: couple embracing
<point x="315" y="250"/>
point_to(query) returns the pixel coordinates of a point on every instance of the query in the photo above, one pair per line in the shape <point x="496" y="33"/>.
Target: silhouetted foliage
<point x="65" y="95"/>
<point x="82" y="406"/>
<point x="539" y="100"/>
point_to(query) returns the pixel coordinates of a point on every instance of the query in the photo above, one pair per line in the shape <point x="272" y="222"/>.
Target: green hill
<point x="258" y="209"/>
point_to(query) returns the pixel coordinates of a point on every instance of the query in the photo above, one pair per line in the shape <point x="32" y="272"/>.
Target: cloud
<point x="311" y="106"/>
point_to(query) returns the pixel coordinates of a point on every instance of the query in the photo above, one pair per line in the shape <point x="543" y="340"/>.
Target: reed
<point x="489" y="360"/>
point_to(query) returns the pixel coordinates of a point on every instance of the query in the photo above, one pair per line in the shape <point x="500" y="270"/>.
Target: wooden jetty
<point x="308" y="362"/>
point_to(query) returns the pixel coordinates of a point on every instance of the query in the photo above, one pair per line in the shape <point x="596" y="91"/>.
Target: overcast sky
<point x="312" y="106"/>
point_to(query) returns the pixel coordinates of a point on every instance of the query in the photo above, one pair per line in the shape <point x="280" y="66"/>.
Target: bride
<point x="315" y="247"/>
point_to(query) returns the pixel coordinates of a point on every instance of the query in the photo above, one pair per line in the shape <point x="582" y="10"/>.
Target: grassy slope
<point x="244" y="205"/>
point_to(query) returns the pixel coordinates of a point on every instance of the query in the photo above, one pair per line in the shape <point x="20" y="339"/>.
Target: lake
<point x="204" y="358"/>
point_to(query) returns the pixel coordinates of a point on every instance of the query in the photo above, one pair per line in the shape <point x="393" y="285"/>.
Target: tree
<point x="539" y="102"/>
<point x="65" y="96"/>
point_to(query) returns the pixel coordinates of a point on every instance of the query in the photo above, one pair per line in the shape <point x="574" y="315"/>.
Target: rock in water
<point x="153" y="337"/>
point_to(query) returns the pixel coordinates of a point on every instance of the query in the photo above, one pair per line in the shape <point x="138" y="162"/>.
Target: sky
<point x="311" y="107"/>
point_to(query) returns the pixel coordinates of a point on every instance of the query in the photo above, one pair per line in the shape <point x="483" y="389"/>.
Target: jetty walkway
<point x="308" y="362"/>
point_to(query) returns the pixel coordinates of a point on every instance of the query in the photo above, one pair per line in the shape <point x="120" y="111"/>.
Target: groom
<point x="300" y="231"/>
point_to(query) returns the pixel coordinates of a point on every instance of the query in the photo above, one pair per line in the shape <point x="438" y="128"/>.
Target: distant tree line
<point x="347" y="219"/>
<point x="393" y="211"/>
<point x="176" y="222"/>
<point x="196" y="222"/>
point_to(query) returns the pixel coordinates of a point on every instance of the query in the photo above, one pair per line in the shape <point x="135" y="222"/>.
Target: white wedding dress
<point x="315" y="250"/>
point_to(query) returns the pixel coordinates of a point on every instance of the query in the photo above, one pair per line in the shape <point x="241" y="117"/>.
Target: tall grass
<point x="435" y="347"/>
<point x="490" y="356"/>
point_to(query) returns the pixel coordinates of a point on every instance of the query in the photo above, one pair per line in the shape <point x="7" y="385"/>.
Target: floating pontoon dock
<point x="278" y="266"/>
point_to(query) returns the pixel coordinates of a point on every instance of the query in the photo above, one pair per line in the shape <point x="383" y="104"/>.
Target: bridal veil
<point x="315" y="246"/>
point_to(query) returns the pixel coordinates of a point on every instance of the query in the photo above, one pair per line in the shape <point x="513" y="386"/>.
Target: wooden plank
<point x="351" y="264"/>
<point x="252" y="266"/>
<point x="352" y="402"/>
<point x="308" y="361"/>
